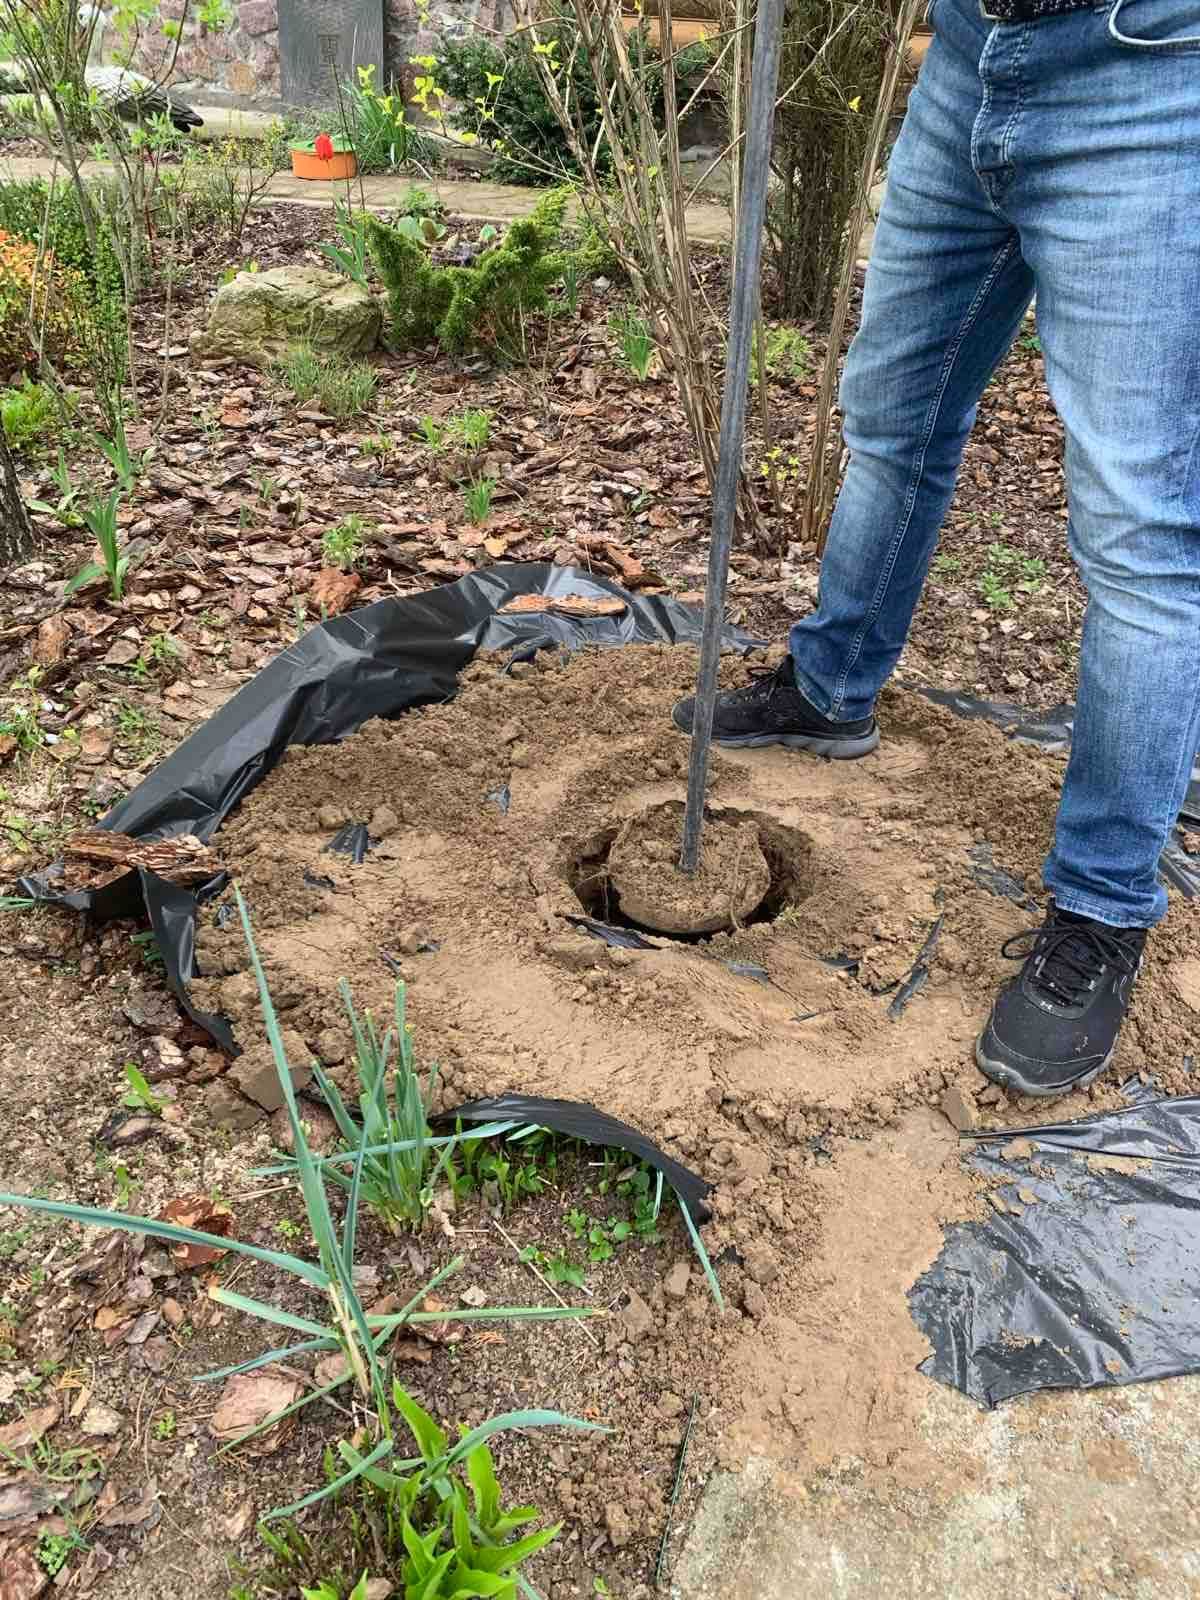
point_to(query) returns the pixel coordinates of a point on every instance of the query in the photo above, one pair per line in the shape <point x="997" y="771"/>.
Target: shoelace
<point x="1068" y="957"/>
<point x="764" y="685"/>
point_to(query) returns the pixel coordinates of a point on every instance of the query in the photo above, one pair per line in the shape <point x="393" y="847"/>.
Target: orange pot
<point x="343" y="164"/>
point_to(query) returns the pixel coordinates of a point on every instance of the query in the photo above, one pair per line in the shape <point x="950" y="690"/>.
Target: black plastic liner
<point x="578" y="1120"/>
<point x="1087" y="1278"/>
<point x="376" y="662"/>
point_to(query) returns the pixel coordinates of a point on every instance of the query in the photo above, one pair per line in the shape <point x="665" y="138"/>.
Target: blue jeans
<point x="1062" y="157"/>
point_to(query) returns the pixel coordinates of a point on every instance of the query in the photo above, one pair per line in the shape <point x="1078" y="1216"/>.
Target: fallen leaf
<point x="29" y="1429"/>
<point x="332" y="590"/>
<point x="21" y="1578"/>
<point x="438" y="1332"/>
<point x="8" y="746"/>
<point x="496" y="547"/>
<point x="246" y="1402"/>
<point x="527" y="602"/>
<point x="235" y="1524"/>
<point x="50" y="641"/>
<point x="206" y="1215"/>
<point x="330" y="1369"/>
<point x="568" y="605"/>
<point x="109" y="1317"/>
<point x="143" y="1508"/>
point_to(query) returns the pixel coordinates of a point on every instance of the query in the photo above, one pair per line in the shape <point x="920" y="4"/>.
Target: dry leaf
<point x="50" y="641"/>
<point x="582" y="605"/>
<point x="143" y="1508"/>
<point x="438" y="1332"/>
<point x="8" y="746"/>
<point x="204" y="1214"/>
<point x="332" y="590"/>
<point x="496" y="547"/>
<point x="29" y="1429"/>
<point x="21" y="1578"/>
<point x="330" y="1369"/>
<point x="247" y="1400"/>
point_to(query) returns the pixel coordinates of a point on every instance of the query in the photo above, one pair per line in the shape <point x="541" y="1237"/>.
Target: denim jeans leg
<point x="945" y="293"/>
<point x="1111" y="227"/>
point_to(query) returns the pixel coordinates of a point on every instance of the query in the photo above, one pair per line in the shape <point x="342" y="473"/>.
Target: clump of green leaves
<point x="349" y="255"/>
<point x="786" y="353"/>
<point x="478" y="498"/>
<point x="635" y="341"/>
<point x="342" y="545"/>
<point x="341" y="388"/>
<point x="29" y="413"/>
<point x="1008" y="575"/>
<point x="480" y="305"/>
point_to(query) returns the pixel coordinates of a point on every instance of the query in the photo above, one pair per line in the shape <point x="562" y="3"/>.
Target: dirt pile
<point x="493" y="818"/>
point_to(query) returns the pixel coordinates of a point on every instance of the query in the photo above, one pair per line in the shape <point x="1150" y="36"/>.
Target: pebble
<point x="101" y="1422"/>
<point x="958" y="1110"/>
<point x="676" y="1282"/>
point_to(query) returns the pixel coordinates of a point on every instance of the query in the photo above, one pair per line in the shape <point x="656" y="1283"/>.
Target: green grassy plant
<point x="478" y="498"/>
<point x="635" y="341"/>
<point x="343" y="1325"/>
<point x="342" y="545"/>
<point x="101" y="519"/>
<point x="341" y="388"/>
<point x="350" y="254"/>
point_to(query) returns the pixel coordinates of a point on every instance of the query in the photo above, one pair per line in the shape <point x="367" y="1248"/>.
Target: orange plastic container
<point x="343" y="164"/>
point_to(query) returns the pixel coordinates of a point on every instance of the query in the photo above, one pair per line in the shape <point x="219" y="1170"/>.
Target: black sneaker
<point x="1054" y="1028"/>
<point x="773" y="711"/>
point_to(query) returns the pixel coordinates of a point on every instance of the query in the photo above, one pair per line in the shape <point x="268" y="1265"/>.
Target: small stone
<point x="411" y="940"/>
<point x="619" y="1524"/>
<point x="676" y="1282"/>
<point x="474" y="1297"/>
<point x="637" y="1319"/>
<point x="227" y="1109"/>
<point x="575" y="951"/>
<point x="331" y="1048"/>
<point x="101" y="1422"/>
<point x="173" y="1313"/>
<point x="755" y="1301"/>
<point x="332" y="817"/>
<point x="384" y="822"/>
<point x="958" y="1110"/>
<point x="761" y="1263"/>
<point x="256" y="1075"/>
<point x="510" y="732"/>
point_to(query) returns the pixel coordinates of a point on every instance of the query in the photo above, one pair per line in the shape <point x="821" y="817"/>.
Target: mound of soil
<point x="756" y="1055"/>
<point x="730" y="882"/>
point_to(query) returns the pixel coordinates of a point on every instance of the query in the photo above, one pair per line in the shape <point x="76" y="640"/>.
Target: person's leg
<point x="1098" y="166"/>
<point x="945" y="292"/>
<point x="1110" y="221"/>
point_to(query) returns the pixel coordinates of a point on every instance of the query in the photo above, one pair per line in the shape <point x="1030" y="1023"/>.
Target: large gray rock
<point x="257" y="316"/>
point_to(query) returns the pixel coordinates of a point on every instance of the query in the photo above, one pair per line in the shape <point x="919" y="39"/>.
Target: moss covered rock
<point x="257" y="316"/>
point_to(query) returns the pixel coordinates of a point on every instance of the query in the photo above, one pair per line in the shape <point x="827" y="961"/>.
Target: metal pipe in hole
<point x="742" y="312"/>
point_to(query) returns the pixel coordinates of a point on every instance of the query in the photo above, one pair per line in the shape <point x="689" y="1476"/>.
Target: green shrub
<point x="28" y="413"/>
<point x="461" y="307"/>
<point x="499" y="98"/>
<point x="23" y="212"/>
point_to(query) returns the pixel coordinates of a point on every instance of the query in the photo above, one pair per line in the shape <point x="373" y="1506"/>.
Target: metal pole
<point x="742" y="312"/>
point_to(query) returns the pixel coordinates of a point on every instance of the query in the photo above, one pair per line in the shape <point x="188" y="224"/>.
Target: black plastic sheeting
<point x="1087" y="1278"/>
<point x="376" y="662"/>
<point x="578" y="1120"/>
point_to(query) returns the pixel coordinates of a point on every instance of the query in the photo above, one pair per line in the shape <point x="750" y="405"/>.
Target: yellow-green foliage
<point x="462" y="307"/>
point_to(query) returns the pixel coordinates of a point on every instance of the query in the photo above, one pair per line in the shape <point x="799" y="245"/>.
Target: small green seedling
<point x="342" y="545"/>
<point x="101" y="519"/>
<point x="139" y="1094"/>
<point x="635" y="341"/>
<point x="432" y="433"/>
<point x="164" y="1426"/>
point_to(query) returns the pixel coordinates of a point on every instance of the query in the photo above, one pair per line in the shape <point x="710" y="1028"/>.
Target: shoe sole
<point x="1010" y="1079"/>
<point x="817" y="744"/>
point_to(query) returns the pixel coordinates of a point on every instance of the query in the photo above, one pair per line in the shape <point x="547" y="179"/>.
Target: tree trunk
<point x="16" y="532"/>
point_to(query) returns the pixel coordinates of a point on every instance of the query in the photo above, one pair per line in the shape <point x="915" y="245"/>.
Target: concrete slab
<point x="1081" y="1495"/>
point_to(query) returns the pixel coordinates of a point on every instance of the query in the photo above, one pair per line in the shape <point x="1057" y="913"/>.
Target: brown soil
<point x="653" y="892"/>
<point x="745" y="1054"/>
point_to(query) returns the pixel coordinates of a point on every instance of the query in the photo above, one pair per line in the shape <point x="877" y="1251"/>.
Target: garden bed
<point x="765" y="1057"/>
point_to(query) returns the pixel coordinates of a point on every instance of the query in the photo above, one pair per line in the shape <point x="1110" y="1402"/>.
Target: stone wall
<point x="240" y="65"/>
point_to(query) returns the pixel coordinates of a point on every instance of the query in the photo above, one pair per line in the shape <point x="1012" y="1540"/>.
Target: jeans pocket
<point x="1156" y="26"/>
